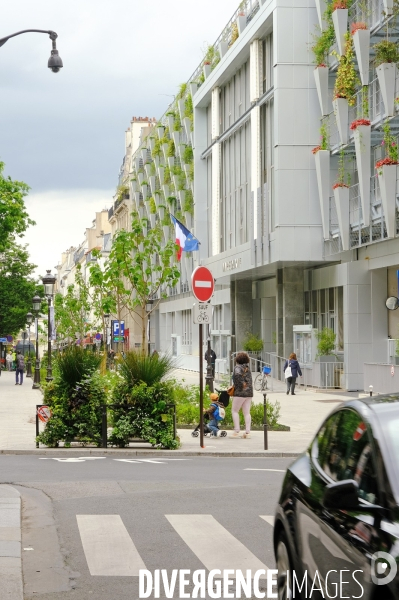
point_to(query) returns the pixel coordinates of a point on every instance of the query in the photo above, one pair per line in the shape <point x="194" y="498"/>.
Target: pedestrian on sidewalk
<point x="20" y="368"/>
<point x="291" y="371"/>
<point x="243" y="393"/>
<point x="212" y="356"/>
<point x="9" y="360"/>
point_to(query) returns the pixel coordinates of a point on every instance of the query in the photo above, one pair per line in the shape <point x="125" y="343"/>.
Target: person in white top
<point x="9" y="360"/>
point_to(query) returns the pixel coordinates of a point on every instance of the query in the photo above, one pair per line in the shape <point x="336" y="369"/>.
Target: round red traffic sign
<point x="203" y="284"/>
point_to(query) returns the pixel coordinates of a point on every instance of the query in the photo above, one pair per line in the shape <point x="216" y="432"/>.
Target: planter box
<point x="140" y="177"/>
<point x="388" y="7"/>
<point x="161" y="212"/>
<point x="362" y="137"/>
<point x="341" y="195"/>
<point x="321" y="6"/>
<point x="176" y="138"/>
<point x="241" y="23"/>
<point x="171" y="122"/>
<point x="222" y="48"/>
<point x="171" y="162"/>
<point x="340" y="21"/>
<point x="161" y="175"/>
<point x="187" y="125"/>
<point x="137" y="163"/>
<point x="387" y="183"/>
<point x="386" y="74"/>
<point x="134" y="185"/>
<point x="322" y="162"/>
<point x="144" y="154"/>
<point x="181" y="194"/>
<point x="193" y="87"/>
<point x="152" y="182"/>
<point x="182" y="107"/>
<point x="321" y="79"/>
<point x="156" y="161"/>
<point x="361" y="41"/>
<point x="147" y="169"/>
<point x="188" y="218"/>
<point x="166" y="231"/>
<point x="144" y="190"/>
<point x="165" y="189"/>
<point x="151" y="143"/>
<point x="160" y="132"/>
<point x="207" y="71"/>
<point x="152" y="221"/>
<point x="341" y="110"/>
<point x="165" y="148"/>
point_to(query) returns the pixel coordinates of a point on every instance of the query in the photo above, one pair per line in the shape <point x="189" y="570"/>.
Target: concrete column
<point x="379" y="316"/>
<point x="243" y="311"/>
<point x="290" y="307"/>
<point x="200" y="183"/>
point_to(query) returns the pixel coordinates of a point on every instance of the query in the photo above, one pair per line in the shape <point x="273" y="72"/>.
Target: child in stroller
<point x="214" y="414"/>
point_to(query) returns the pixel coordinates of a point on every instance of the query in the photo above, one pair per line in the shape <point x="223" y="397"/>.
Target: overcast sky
<point x="63" y="134"/>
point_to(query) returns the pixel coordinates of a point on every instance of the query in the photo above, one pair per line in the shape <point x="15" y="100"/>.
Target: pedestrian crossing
<point x="111" y="551"/>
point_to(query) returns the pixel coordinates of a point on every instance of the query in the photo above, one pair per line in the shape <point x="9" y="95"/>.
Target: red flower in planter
<point x="340" y="184"/>
<point x="358" y="122"/>
<point x="316" y="149"/>
<point x="207" y="62"/>
<point x="385" y="161"/>
<point x="337" y="4"/>
<point x="321" y="65"/>
<point x="356" y="26"/>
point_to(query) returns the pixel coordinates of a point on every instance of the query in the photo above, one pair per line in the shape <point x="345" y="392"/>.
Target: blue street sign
<point x="118" y="329"/>
<point x="3" y="340"/>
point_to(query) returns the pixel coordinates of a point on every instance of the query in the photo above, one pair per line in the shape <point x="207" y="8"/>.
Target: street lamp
<point x="29" y="319"/>
<point x="54" y="62"/>
<point x="37" y="303"/>
<point x="49" y="282"/>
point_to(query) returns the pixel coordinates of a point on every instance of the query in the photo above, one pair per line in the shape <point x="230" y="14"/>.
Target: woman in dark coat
<point x="243" y="393"/>
<point x="295" y="371"/>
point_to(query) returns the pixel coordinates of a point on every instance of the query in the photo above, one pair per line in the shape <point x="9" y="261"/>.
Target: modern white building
<point x="290" y="255"/>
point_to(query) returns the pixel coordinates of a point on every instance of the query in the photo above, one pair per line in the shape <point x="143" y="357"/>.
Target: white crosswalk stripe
<point x="215" y="547"/>
<point x="108" y="547"/>
<point x="110" y="550"/>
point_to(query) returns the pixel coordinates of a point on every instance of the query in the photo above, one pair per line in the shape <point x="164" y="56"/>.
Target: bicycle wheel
<point x="258" y="382"/>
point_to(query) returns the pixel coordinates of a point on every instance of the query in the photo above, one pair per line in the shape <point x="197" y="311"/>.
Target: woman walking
<point x="295" y="369"/>
<point x="243" y="392"/>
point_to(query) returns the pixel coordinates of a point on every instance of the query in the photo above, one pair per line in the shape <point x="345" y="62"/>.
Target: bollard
<point x="371" y="390"/>
<point x="265" y="421"/>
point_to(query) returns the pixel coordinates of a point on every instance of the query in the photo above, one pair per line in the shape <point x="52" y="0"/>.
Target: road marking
<point x="148" y="460"/>
<point x="75" y="460"/>
<point x="108" y="547"/>
<point x="215" y="547"/>
<point x="271" y="470"/>
<point x="268" y="518"/>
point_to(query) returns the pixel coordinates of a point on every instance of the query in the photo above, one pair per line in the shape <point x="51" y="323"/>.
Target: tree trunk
<point x="143" y="331"/>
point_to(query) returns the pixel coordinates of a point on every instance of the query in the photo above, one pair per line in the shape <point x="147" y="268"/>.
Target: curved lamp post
<point x="49" y="282"/>
<point x="37" y="303"/>
<point x="29" y="319"/>
<point x="54" y="62"/>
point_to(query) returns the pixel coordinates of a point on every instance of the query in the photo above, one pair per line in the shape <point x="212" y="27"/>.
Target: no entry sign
<point x="203" y="284"/>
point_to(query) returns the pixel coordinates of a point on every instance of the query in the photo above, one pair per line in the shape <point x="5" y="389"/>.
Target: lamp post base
<point x="29" y="369"/>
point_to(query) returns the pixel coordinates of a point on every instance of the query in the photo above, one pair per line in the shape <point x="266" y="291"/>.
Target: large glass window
<point x="187" y="335"/>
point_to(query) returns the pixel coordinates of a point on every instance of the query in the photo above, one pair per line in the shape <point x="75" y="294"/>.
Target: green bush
<point x="253" y="343"/>
<point x="327" y="340"/>
<point x="74" y="364"/>
<point x="137" y="367"/>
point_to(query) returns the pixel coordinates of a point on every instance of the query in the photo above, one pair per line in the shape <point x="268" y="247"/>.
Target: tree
<point x="139" y="270"/>
<point x="17" y="288"/>
<point x="14" y="219"/>
<point x="72" y="310"/>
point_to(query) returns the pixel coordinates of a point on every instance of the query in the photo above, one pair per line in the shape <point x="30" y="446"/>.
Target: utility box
<point x="305" y="344"/>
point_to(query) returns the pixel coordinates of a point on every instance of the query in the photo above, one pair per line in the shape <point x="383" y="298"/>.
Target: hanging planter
<point x="135" y="185"/>
<point x="386" y="73"/>
<point x="137" y="163"/>
<point x="171" y="122"/>
<point x="241" y="22"/>
<point x="362" y="135"/>
<point x="165" y="148"/>
<point x="152" y="220"/>
<point x="144" y="190"/>
<point x="341" y="195"/>
<point x="176" y="138"/>
<point x="322" y="163"/>
<point x="181" y="195"/>
<point x="187" y="125"/>
<point x="207" y="68"/>
<point x="147" y="168"/>
<point x="140" y="177"/>
<point x="193" y="87"/>
<point x="160" y="131"/>
<point x="182" y="107"/>
<point x="321" y="6"/>
<point x="321" y="79"/>
<point x="188" y="219"/>
<point x="341" y="111"/>
<point x="152" y="181"/>
<point x="388" y="7"/>
<point x="387" y="182"/>
<point x="161" y="175"/>
<point x="156" y="161"/>
<point x="222" y="48"/>
<point x="144" y="154"/>
<point x="165" y="189"/>
<point x="151" y="142"/>
<point x="166" y="230"/>
<point x="171" y="162"/>
<point x="161" y="212"/>
<point x="340" y="22"/>
<point x="361" y="40"/>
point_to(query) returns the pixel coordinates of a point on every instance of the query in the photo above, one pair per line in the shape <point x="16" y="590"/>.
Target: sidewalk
<point x="303" y="413"/>
<point x="10" y="544"/>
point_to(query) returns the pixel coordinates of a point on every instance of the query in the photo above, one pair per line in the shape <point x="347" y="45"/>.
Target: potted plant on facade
<point x="322" y="163"/>
<point x="340" y="22"/>
<point x="134" y="184"/>
<point x="140" y="177"/>
<point x="362" y="136"/>
<point x="253" y="345"/>
<point x="386" y="171"/>
<point x="321" y="50"/>
<point x="160" y="130"/>
<point x="241" y="22"/>
<point x="171" y="120"/>
<point x="321" y="6"/>
<point x="341" y="196"/>
<point x="386" y="58"/>
<point x="361" y="41"/>
<point x="345" y="89"/>
<point x="326" y="346"/>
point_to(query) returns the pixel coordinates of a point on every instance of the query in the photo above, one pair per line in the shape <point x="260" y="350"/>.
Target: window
<point x="345" y="452"/>
<point x="187" y="335"/>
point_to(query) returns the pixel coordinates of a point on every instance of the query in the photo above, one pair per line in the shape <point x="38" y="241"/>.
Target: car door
<point x="349" y="537"/>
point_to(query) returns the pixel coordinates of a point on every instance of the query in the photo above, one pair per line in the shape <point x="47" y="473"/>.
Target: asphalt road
<point x="89" y="526"/>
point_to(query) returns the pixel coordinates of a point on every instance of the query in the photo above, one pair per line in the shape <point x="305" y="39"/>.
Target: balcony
<point x="359" y="235"/>
<point x="110" y="213"/>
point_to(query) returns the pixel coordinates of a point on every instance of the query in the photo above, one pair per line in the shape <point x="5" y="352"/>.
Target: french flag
<point x="184" y="238"/>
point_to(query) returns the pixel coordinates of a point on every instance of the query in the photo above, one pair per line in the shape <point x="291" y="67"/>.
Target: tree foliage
<point x="72" y="310"/>
<point x="17" y="288"/>
<point x="14" y="219"/>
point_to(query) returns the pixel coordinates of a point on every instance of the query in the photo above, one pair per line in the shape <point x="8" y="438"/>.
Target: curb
<point x="10" y="544"/>
<point x="152" y="453"/>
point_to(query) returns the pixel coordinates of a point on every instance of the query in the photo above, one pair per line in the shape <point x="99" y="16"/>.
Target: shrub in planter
<point x="327" y="341"/>
<point x="137" y="367"/>
<point x="253" y="343"/>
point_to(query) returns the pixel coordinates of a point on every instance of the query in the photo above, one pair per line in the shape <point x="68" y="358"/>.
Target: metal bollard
<point x="265" y="444"/>
<point x="371" y="390"/>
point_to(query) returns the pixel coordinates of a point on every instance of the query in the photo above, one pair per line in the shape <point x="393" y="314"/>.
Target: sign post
<point x="203" y="285"/>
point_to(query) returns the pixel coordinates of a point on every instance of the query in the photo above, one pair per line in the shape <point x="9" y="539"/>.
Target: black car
<point x="336" y="531"/>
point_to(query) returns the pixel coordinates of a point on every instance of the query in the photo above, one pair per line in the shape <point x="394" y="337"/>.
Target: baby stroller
<point x="224" y="399"/>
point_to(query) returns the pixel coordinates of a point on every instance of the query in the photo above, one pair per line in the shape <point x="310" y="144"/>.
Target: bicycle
<point x="260" y="383"/>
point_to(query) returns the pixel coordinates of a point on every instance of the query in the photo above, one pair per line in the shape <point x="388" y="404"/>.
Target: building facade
<point x="234" y="158"/>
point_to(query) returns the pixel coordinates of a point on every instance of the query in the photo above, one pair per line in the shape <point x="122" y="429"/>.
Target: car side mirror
<point x="342" y="495"/>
